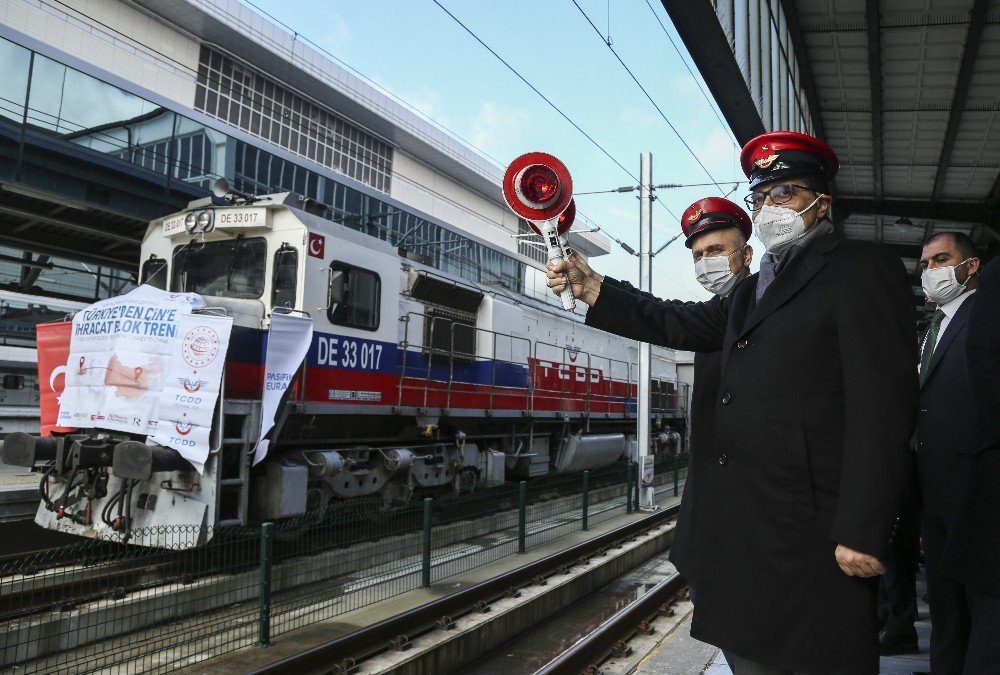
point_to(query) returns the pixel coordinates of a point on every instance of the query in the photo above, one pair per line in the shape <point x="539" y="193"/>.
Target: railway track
<point x="63" y="578"/>
<point x="345" y="653"/>
<point x="95" y="591"/>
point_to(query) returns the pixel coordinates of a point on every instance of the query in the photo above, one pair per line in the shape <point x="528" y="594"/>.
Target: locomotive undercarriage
<point x="106" y="485"/>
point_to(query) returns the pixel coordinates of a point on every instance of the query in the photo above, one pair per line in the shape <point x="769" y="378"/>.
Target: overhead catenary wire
<point x="271" y="108"/>
<point x="650" y="98"/>
<point x="559" y="111"/>
<point x="410" y="179"/>
<point x="694" y="77"/>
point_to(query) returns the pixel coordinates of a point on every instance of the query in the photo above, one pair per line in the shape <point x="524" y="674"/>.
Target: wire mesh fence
<point x="136" y="609"/>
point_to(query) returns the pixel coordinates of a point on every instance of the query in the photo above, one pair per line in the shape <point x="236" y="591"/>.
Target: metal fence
<point x="116" y="605"/>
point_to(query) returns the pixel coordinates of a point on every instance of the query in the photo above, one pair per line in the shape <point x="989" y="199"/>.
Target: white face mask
<point x="714" y="273"/>
<point x="778" y="227"/>
<point x="940" y="284"/>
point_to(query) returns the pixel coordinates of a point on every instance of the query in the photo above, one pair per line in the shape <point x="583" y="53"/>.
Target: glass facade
<point x="44" y="103"/>
<point x="253" y="102"/>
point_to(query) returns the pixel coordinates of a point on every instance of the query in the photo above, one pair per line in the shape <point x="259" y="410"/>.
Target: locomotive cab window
<point x="354" y="297"/>
<point x="230" y="269"/>
<point x="154" y="272"/>
<point x="286" y="267"/>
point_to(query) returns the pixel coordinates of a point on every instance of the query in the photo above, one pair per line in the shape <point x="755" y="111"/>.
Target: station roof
<point x="908" y="95"/>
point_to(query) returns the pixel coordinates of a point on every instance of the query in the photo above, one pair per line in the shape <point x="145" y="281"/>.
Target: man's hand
<point x="858" y="564"/>
<point x="585" y="282"/>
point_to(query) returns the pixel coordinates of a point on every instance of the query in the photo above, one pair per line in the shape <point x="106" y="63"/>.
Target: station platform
<point x="18" y="492"/>
<point x="677" y="653"/>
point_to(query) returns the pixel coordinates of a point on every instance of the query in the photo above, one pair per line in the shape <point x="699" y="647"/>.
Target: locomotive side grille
<point x="447" y="294"/>
<point x="449" y="333"/>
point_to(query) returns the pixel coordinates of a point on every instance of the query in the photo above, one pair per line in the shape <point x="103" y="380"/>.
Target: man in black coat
<point x="812" y="425"/>
<point x="716" y="231"/>
<point x="973" y="549"/>
<point x="946" y="422"/>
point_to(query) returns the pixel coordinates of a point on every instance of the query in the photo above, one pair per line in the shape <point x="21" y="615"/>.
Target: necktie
<point x="929" y="342"/>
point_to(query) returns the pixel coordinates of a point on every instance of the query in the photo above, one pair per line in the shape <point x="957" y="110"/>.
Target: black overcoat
<point x="818" y="394"/>
<point x="974" y="543"/>
<point x="701" y="410"/>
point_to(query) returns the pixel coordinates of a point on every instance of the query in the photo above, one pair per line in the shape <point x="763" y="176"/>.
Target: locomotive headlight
<point x="189" y="222"/>
<point x="206" y="220"/>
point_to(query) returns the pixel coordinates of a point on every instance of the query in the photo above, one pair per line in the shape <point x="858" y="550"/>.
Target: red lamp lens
<point x="539" y="184"/>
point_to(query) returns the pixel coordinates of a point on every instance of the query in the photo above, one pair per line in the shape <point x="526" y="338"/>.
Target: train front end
<point x="155" y="397"/>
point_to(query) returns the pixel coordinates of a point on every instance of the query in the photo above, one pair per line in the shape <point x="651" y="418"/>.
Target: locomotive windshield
<point x="230" y="269"/>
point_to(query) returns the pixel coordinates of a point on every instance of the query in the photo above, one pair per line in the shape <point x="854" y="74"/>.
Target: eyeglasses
<point x="779" y="194"/>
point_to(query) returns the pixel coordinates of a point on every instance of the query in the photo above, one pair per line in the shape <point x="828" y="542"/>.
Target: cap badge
<point x="695" y="216"/>
<point x="765" y="162"/>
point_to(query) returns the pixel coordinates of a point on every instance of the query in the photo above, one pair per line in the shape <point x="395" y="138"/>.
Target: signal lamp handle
<point x="557" y="251"/>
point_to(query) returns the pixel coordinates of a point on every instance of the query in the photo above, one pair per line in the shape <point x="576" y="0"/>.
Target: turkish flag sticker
<point x="317" y="244"/>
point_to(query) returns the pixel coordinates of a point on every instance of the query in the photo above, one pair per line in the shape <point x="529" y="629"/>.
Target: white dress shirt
<point x="949" y="308"/>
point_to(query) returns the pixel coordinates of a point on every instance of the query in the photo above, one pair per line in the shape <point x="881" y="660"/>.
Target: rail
<point x="371" y="640"/>
<point x="610" y="637"/>
<point x="142" y="603"/>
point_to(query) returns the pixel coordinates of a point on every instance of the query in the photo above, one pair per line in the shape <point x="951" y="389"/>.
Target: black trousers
<point x="898" y="586"/>
<point x="983" y="655"/>
<point x="947" y="599"/>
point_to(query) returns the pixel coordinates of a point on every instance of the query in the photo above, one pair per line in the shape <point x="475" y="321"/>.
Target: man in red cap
<point x="716" y="231"/>
<point x="810" y="443"/>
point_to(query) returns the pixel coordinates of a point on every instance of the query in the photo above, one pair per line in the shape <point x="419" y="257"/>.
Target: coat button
<point x="722" y="459"/>
<point x="726" y="398"/>
<point x="742" y="344"/>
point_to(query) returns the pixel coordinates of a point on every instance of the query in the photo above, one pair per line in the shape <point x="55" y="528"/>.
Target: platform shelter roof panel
<point x="907" y="92"/>
<point x="907" y="181"/>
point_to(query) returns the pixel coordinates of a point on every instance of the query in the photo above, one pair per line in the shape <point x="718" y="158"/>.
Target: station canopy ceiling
<point x="908" y="95"/>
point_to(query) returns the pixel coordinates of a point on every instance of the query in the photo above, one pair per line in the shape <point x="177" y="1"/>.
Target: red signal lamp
<point x="537" y="186"/>
<point x="566" y="218"/>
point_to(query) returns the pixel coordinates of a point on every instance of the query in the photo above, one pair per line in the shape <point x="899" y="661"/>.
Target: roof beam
<point x="67" y="225"/>
<point x="125" y="262"/>
<point x="977" y="20"/>
<point x="706" y="42"/>
<point x="875" y="82"/>
<point x="791" y="13"/>
<point x="993" y="198"/>
<point x="957" y="212"/>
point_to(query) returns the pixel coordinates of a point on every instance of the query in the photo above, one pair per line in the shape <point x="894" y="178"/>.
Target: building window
<point x="359" y="307"/>
<point x="263" y="108"/>
<point x="530" y="246"/>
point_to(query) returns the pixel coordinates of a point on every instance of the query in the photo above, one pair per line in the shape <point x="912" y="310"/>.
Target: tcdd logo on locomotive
<point x="200" y="346"/>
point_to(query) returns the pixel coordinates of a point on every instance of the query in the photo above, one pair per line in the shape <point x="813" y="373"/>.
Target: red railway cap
<point x="712" y="213"/>
<point x="787" y="154"/>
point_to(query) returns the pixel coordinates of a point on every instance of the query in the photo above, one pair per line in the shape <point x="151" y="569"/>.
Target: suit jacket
<point x="973" y="548"/>
<point x="946" y="418"/>
<point x="707" y="372"/>
<point x="810" y="446"/>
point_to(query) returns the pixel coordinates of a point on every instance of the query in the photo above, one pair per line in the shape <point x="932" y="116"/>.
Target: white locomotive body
<point x="417" y="381"/>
